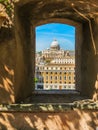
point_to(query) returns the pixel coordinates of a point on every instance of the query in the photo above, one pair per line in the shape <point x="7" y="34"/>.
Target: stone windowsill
<point x="50" y="107"/>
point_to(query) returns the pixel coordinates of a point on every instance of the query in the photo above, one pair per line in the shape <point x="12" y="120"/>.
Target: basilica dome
<point x="55" y="45"/>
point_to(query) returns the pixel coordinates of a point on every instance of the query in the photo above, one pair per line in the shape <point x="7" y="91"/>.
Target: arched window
<point x="54" y="40"/>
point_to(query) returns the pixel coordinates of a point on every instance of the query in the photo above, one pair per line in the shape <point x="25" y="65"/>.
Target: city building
<point x="55" y="68"/>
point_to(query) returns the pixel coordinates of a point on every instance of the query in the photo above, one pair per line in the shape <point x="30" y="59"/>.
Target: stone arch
<point x="78" y="42"/>
<point x="27" y="18"/>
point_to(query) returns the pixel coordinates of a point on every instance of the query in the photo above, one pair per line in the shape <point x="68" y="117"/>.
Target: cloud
<point x="58" y="34"/>
<point x="67" y="44"/>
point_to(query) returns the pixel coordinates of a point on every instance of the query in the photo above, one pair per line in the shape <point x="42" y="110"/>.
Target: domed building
<point x="58" y="69"/>
<point x="53" y="51"/>
<point x="55" y="45"/>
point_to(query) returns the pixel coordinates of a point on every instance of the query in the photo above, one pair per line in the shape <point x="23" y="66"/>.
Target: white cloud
<point x="58" y="34"/>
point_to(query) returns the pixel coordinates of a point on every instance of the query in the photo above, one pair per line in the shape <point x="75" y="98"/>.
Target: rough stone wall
<point x="95" y="34"/>
<point x="69" y="120"/>
<point x="23" y="70"/>
<point x="21" y="43"/>
<point x="3" y="15"/>
<point x="77" y="11"/>
<point x="14" y="59"/>
<point x="7" y="57"/>
<point x="89" y="63"/>
<point x="7" y="66"/>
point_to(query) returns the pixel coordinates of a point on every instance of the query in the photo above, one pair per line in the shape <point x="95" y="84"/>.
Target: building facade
<point x="55" y="69"/>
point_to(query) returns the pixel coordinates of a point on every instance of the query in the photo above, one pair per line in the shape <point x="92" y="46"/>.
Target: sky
<point x="63" y="33"/>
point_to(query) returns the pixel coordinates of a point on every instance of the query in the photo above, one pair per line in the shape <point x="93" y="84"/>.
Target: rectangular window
<point x="64" y="77"/>
<point x="60" y="78"/>
<point x="55" y="86"/>
<point x="46" y="77"/>
<point x="50" y="77"/>
<point x="55" y="77"/>
<point x="69" y="77"/>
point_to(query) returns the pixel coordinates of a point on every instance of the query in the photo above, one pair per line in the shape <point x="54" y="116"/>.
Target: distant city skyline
<point x="63" y="33"/>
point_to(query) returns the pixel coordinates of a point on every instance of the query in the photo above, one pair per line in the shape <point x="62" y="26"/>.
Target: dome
<point x="55" y="44"/>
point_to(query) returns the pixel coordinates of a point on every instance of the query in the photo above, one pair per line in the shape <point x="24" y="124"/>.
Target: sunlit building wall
<point x="55" y="68"/>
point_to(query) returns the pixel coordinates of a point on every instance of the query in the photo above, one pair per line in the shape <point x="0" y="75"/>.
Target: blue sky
<point x="63" y="33"/>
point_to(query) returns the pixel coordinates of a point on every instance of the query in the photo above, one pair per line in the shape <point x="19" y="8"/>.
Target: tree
<point x="35" y="80"/>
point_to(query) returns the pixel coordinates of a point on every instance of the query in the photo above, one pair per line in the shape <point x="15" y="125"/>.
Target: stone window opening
<point x="26" y="54"/>
<point x="62" y="69"/>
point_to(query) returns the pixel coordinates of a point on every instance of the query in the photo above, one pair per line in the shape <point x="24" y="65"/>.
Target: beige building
<point x="55" y="68"/>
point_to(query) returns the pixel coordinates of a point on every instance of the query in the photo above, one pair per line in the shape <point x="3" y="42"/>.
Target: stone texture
<point x="16" y="67"/>
<point x="3" y="15"/>
<point x="28" y="15"/>
<point x="7" y="67"/>
<point x="83" y="12"/>
<point x="69" y="120"/>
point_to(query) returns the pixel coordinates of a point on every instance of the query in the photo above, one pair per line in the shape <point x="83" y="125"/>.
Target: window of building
<point x="60" y="77"/>
<point x="69" y="77"/>
<point x="55" y="77"/>
<point x="55" y="86"/>
<point x="46" y="86"/>
<point x="64" y="77"/>
<point x="46" y="77"/>
<point x="69" y="86"/>
<point x="51" y="87"/>
<point x="50" y="77"/>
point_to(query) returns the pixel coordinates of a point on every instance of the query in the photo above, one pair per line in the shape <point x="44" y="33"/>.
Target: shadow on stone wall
<point x="95" y="35"/>
<point x="95" y="94"/>
<point x="69" y="120"/>
<point x="7" y="64"/>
